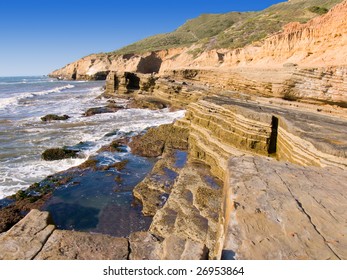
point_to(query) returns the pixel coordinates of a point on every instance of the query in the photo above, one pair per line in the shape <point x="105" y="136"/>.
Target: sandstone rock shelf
<point x="277" y="210"/>
<point x="224" y="129"/>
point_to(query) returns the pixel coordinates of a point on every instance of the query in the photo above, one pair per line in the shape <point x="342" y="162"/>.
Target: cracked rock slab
<point x="144" y="246"/>
<point x="278" y="210"/>
<point x="25" y="239"/>
<point x="177" y="248"/>
<point x="72" y="245"/>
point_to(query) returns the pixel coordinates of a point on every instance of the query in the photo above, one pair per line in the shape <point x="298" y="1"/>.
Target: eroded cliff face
<point x="91" y="67"/>
<point x="318" y="43"/>
<point x="304" y="61"/>
<point x="97" y="66"/>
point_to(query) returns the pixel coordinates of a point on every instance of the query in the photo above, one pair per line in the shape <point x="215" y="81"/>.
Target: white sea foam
<point x="20" y="164"/>
<point x="4" y="102"/>
<point x="21" y="176"/>
<point x="28" y="81"/>
<point x="16" y="175"/>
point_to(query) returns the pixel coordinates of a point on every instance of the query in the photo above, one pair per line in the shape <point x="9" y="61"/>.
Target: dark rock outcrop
<point x="149" y="64"/>
<point x="52" y="117"/>
<point x="58" y="154"/>
<point x="111" y="108"/>
<point x="151" y="103"/>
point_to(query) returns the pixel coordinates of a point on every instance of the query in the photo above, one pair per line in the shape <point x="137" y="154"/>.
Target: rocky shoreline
<point x="224" y="180"/>
<point x="257" y="168"/>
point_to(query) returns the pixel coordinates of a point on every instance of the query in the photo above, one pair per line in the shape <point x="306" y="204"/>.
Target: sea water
<point x="24" y="136"/>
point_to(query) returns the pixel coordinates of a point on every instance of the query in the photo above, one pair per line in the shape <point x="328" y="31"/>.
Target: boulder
<point x="52" y="117"/>
<point x="148" y="103"/>
<point x="58" y="154"/>
<point x="111" y="108"/>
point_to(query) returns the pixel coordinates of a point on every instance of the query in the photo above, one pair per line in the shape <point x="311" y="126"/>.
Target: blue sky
<point x="39" y="36"/>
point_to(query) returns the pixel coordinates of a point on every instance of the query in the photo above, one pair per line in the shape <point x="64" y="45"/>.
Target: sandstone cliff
<point x="320" y="42"/>
<point x="288" y="64"/>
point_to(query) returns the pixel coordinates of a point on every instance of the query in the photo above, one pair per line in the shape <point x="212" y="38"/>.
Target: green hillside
<point x="234" y="29"/>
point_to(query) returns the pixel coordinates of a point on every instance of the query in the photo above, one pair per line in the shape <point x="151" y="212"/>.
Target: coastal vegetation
<point x="234" y="29"/>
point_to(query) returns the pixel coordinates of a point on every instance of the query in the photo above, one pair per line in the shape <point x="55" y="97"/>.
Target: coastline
<point x="77" y="184"/>
<point x="255" y="170"/>
<point x="187" y="191"/>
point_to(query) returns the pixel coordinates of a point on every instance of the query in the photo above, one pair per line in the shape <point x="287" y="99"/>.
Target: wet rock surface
<point x="67" y="195"/>
<point x="155" y="189"/>
<point x="20" y="204"/>
<point x="52" y="117"/>
<point x="192" y="211"/>
<point x="58" y="154"/>
<point x="110" y="108"/>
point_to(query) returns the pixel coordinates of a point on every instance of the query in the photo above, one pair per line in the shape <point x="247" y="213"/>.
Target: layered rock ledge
<point x="297" y="157"/>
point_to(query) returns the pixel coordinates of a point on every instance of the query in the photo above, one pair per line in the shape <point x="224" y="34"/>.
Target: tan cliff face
<point x="320" y="42"/>
<point x="93" y="67"/>
<point x="304" y="61"/>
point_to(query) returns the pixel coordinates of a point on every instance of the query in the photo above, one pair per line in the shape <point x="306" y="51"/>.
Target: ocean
<point x="24" y="136"/>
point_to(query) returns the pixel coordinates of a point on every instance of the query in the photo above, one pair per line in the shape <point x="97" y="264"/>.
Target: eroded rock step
<point x="303" y="137"/>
